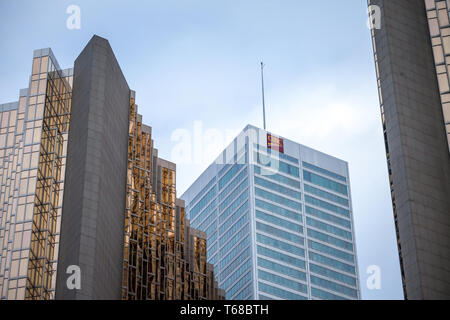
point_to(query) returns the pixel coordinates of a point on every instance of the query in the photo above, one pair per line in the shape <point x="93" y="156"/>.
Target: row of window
<point x="287" y="283"/>
<point x="279" y="233"/>
<point x="279" y="292"/>
<point x="331" y="251"/>
<point x="213" y="260"/>
<point x="234" y="240"/>
<point x="243" y="268"/>
<point x="278" y="210"/>
<point x="212" y="238"/>
<point x="201" y="193"/>
<point x="277" y="154"/>
<point x="277" y="165"/>
<point x="278" y="199"/>
<point x="333" y="286"/>
<point x="236" y="204"/>
<point x="233" y="217"/>
<point x="326" y="195"/>
<point x="233" y="253"/>
<point x="211" y="228"/>
<point x="326" y="216"/>
<point x="331" y="262"/>
<point x="210" y="214"/>
<point x="224" y="168"/>
<point x="233" y="195"/>
<point x="279" y="222"/>
<point x="274" y="243"/>
<point x="328" y="228"/>
<point x="324" y="171"/>
<point x="229" y="175"/>
<point x="329" y="239"/>
<point x="240" y="154"/>
<point x="263" y="263"/>
<point x="199" y="219"/>
<point x="326" y="205"/>
<point x="246" y="293"/>
<point x="263" y="297"/>
<point x="236" y="262"/>
<point x="332" y="274"/>
<point x="211" y="251"/>
<point x="238" y="286"/>
<point x="202" y="203"/>
<point x="325" y="183"/>
<point x="230" y="232"/>
<point x="210" y="243"/>
<point x="233" y="184"/>
<point x="278" y="188"/>
<point x="277" y="177"/>
<point x="281" y="257"/>
<point x="317" y="293"/>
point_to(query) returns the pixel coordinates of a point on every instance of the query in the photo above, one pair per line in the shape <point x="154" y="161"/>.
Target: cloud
<point x="322" y="116"/>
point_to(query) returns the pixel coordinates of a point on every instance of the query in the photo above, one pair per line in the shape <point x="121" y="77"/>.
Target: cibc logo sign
<point x="275" y="143"/>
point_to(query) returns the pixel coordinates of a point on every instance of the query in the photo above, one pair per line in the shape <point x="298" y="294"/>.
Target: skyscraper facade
<point x="82" y="185"/>
<point x="412" y="55"/>
<point x="279" y="220"/>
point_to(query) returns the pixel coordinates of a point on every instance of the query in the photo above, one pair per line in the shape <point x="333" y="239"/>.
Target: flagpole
<point x="262" y="84"/>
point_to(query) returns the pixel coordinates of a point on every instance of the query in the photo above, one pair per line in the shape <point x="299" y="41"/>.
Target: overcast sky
<point x="195" y="63"/>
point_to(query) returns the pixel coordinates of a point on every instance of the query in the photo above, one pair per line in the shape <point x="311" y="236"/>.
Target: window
<point x="276" y="164"/>
<point x="331" y="262"/>
<point x="332" y="274"/>
<point x="279" y="292"/>
<point x="327" y="205"/>
<point x="325" y="182"/>
<point x="276" y="187"/>
<point x="267" y="276"/>
<point x="279" y="222"/>
<point x="262" y="239"/>
<point x="233" y="184"/>
<point x="263" y="263"/>
<point x="317" y="293"/>
<point x="328" y="228"/>
<point x="331" y="251"/>
<point x="326" y="195"/>
<point x="279" y="233"/>
<point x="334" y="286"/>
<point x="281" y="257"/>
<point x="278" y="178"/>
<point x="203" y="202"/>
<point x="278" y="210"/>
<point x="324" y="171"/>
<point x="329" y="239"/>
<point x="329" y="217"/>
<point x="278" y="199"/>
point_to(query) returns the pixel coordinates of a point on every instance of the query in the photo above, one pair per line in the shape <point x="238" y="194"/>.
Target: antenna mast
<point x="264" y="105"/>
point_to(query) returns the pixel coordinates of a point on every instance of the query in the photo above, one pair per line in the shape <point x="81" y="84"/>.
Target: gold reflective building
<point x="439" y="26"/>
<point x="33" y="141"/>
<point x="163" y="258"/>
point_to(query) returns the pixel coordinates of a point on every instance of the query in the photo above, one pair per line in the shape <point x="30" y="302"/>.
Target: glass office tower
<point x="278" y="219"/>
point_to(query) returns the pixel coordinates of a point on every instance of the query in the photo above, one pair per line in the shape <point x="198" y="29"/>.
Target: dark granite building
<point x="412" y="57"/>
<point x="82" y="186"/>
